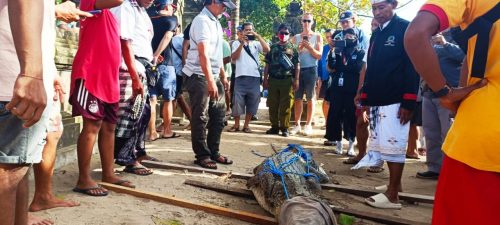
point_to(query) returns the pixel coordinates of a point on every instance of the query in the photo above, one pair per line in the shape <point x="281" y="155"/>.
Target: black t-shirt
<point x="345" y="79"/>
<point x="162" y="25"/>
<point x="186" y="32"/>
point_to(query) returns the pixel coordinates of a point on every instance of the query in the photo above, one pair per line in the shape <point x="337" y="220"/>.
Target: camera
<point x="306" y="38"/>
<point x="250" y="37"/>
<point x="339" y="43"/>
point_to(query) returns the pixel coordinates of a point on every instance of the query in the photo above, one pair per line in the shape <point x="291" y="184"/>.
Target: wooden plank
<point x="341" y="188"/>
<point x="232" y="213"/>
<point x="351" y="212"/>
<point x="241" y="192"/>
<point x="172" y="166"/>
<point x="367" y="193"/>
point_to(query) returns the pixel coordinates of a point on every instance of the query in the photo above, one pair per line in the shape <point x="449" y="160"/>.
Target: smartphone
<point x="306" y="38"/>
<point x="94" y="12"/>
<point x="339" y="43"/>
<point x="250" y="37"/>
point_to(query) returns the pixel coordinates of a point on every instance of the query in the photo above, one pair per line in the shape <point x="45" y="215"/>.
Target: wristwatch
<point x="443" y="92"/>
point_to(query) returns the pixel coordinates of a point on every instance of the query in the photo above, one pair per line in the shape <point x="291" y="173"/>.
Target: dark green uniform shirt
<point x="272" y="59"/>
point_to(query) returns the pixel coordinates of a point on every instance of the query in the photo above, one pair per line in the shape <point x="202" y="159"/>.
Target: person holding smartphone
<point x="310" y="48"/>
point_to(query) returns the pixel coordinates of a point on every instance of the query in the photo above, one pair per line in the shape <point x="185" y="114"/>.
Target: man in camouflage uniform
<point x="281" y="81"/>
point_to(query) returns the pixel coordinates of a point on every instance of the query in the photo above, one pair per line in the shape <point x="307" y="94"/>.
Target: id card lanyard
<point x="341" y="79"/>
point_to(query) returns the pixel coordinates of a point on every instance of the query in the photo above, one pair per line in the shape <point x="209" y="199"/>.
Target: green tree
<point x="326" y="13"/>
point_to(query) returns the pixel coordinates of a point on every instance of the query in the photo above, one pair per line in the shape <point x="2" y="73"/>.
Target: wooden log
<point x="351" y="212"/>
<point x="341" y="188"/>
<point x="241" y="192"/>
<point x="232" y="213"/>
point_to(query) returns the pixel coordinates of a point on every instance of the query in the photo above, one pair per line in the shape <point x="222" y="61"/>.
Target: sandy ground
<point x="126" y="210"/>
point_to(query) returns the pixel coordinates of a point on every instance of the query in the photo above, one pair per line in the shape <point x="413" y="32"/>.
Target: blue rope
<point x="270" y="167"/>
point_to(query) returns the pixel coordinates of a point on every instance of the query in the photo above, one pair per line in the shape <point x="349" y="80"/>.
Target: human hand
<point x="29" y="99"/>
<point x="68" y="12"/>
<point x="137" y="88"/>
<point x="225" y="84"/>
<point x="265" y="84"/>
<point x="213" y="92"/>
<point x="404" y="115"/>
<point x="157" y="59"/>
<point x="295" y="85"/>
<point x="59" y="92"/>
<point x="439" y="39"/>
<point x="453" y="99"/>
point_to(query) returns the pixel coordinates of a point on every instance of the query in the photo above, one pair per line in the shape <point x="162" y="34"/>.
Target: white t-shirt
<point x="135" y="25"/>
<point x="207" y="29"/>
<point x="245" y="65"/>
<point x="9" y="64"/>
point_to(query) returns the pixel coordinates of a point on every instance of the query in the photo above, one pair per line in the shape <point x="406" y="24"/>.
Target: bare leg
<point x="10" y="181"/>
<point x="395" y="173"/>
<point x="22" y="201"/>
<point x="152" y="122"/>
<point x="106" y="151"/>
<point x="168" y="111"/>
<point x="33" y="220"/>
<point x="236" y="122"/>
<point x="86" y="142"/>
<point x="43" y="198"/>
<point x="248" y="118"/>
<point x="326" y="105"/>
<point x="362" y="134"/>
<point x="184" y="106"/>
<point x="298" y="111"/>
<point x="311" y="106"/>
<point x="411" y="151"/>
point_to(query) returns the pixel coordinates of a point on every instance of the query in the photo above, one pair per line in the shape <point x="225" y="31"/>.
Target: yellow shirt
<point x="474" y="137"/>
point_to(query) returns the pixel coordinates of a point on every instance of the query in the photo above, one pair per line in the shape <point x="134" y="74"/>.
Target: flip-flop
<point x="206" y="163"/>
<point x="133" y="169"/>
<point x="223" y="160"/>
<point x="87" y="191"/>
<point x="375" y="169"/>
<point x="350" y="161"/>
<point x="247" y="130"/>
<point x="123" y="182"/>
<point x="412" y="157"/>
<point x="381" y="201"/>
<point x="174" y="135"/>
<point x="234" y="129"/>
<point x="151" y="140"/>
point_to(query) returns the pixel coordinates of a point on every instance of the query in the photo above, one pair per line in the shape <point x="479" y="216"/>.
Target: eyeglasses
<point x="306" y="21"/>
<point x="285" y="33"/>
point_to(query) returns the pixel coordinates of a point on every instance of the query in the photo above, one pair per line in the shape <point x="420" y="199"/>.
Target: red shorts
<point x="466" y="196"/>
<point x="90" y="107"/>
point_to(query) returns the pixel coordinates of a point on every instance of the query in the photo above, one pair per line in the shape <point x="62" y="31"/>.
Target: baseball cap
<point x="159" y="5"/>
<point x="228" y="3"/>
<point x="346" y="15"/>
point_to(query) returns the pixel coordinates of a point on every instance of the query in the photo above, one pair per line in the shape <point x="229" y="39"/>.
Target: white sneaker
<point x="338" y="149"/>
<point x="308" y="130"/>
<point x="295" y="130"/>
<point x="350" y="151"/>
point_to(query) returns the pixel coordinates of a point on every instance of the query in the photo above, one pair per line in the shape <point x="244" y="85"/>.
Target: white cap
<point x="377" y="1"/>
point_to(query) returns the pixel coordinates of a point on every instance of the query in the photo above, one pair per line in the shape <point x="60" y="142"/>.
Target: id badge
<point x="341" y="82"/>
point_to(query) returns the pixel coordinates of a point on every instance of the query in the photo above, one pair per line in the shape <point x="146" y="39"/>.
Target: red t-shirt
<point x="99" y="54"/>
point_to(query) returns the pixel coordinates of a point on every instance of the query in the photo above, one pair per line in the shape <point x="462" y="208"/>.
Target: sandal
<point x="154" y="139"/>
<point x="223" y="160"/>
<point x="174" y="135"/>
<point x="375" y="169"/>
<point x="247" y="130"/>
<point x="234" y="129"/>
<point x="137" y="170"/>
<point x="412" y="156"/>
<point x="206" y="163"/>
<point x="350" y="161"/>
<point x="88" y="191"/>
<point x="125" y="183"/>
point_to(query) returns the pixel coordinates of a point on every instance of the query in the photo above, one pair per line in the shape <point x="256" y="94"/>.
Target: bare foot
<point x="153" y="136"/>
<point x="33" y="220"/>
<point x="49" y="202"/>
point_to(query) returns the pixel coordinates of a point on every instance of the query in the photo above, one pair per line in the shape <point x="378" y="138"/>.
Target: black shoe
<point x="428" y="175"/>
<point x="254" y="118"/>
<point x="285" y="133"/>
<point x="273" y="131"/>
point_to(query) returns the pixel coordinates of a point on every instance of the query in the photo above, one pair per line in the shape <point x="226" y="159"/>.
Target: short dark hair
<point x="329" y="31"/>
<point x="284" y="26"/>
<point x="246" y="24"/>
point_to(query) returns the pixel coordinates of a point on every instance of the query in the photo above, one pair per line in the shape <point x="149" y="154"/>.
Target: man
<point x="281" y="81"/>
<point x="470" y="171"/>
<point x="247" y="82"/>
<point x="206" y="91"/>
<point x="347" y="20"/>
<point x="345" y="65"/>
<point x="436" y="118"/>
<point x="310" y="44"/>
<point x="389" y="89"/>
<point x="164" y="24"/>
<point x="323" y="72"/>
<point x="176" y="54"/>
<point x="23" y="96"/>
<point x="136" y="34"/>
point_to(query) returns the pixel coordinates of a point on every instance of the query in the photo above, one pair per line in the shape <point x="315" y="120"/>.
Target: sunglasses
<point x="306" y="21"/>
<point x="285" y="33"/>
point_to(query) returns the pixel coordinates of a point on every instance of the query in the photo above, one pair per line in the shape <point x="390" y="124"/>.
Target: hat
<point x="379" y="1"/>
<point x="228" y="3"/>
<point x="159" y="5"/>
<point x="346" y="15"/>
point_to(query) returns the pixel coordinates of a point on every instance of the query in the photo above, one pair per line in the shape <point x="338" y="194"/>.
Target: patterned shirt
<point x="272" y="58"/>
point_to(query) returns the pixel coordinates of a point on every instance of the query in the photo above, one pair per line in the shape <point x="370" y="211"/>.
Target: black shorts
<point x="417" y="115"/>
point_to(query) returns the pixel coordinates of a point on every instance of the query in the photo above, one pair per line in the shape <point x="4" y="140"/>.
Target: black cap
<point x="346" y="15"/>
<point x="350" y="31"/>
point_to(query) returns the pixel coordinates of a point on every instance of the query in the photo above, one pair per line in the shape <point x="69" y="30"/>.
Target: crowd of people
<point x="132" y="54"/>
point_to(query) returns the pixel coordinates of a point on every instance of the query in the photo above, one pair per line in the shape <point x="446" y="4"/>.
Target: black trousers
<point x="341" y="116"/>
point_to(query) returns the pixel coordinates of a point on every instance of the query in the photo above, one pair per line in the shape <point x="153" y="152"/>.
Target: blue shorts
<point x="20" y="145"/>
<point x="246" y="95"/>
<point x="307" y="83"/>
<point x="166" y="85"/>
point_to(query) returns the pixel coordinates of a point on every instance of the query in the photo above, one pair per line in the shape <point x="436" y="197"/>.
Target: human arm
<point x="263" y="43"/>
<point x="29" y="97"/>
<point x="185" y="48"/>
<point x="128" y="57"/>
<point x="265" y="83"/>
<point x="464" y="74"/>
<point x="167" y="37"/>
<point x="241" y="42"/>
<point x="223" y="79"/>
<point x="315" y="50"/>
<point x="68" y="12"/>
<point x="206" y="67"/>
<point x="296" y="77"/>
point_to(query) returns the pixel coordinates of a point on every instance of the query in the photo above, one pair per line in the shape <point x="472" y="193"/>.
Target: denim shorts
<point x="246" y="95"/>
<point x="20" y="145"/>
<point x="307" y="83"/>
<point x="166" y="85"/>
